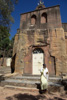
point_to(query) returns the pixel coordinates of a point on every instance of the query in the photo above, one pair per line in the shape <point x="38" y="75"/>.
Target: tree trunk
<point x="3" y="58"/>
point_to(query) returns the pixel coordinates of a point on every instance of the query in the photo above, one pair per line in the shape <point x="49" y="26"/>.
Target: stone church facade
<point x="41" y="38"/>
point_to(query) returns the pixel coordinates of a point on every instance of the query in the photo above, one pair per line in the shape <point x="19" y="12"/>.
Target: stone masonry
<point x="41" y="28"/>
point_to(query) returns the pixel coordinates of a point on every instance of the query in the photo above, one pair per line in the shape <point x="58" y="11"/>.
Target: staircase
<point x="30" y="83"/>
<point x="26" y="82"/>
<point x="5" y="70"/>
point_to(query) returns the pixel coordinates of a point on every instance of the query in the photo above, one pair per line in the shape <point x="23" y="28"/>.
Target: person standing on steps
<point x="44" y="79"/>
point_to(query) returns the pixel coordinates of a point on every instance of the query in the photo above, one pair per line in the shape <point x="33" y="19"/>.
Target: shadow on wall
<point x="13" y="64"/>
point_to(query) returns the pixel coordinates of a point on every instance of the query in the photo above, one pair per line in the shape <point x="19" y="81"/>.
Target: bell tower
<point x="40" y="5"/>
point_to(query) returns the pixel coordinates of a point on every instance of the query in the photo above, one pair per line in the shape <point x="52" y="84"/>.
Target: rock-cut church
<point x="41" y="38"/>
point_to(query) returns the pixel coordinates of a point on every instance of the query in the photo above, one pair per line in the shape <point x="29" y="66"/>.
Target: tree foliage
<point x="6" y="8"/>
<point x="4" y="39"/>
<point x="6" y="45"/>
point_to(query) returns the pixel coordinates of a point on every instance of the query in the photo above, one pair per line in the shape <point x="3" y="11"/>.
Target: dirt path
<point x="12" y="94"/>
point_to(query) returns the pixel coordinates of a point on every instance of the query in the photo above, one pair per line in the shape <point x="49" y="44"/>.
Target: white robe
<point x="44" y="78"/>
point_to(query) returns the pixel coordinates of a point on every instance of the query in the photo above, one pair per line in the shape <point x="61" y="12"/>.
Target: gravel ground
<point x="12" y="94"/>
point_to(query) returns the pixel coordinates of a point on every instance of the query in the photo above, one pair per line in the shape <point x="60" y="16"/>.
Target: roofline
<point x="40" y="9"/>
<point x="64" y="23"/>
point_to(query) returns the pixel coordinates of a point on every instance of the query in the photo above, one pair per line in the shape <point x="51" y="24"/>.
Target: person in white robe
<point x="44" y="78"/>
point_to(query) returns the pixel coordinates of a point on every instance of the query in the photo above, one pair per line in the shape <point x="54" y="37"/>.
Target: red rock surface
<point x="12" y="94"/>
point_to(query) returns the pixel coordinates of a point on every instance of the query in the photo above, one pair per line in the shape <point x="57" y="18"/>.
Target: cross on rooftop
<point x="40" y="2"/>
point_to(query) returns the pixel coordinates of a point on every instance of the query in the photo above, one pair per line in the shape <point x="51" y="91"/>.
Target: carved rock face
<point x="47" y="35"/>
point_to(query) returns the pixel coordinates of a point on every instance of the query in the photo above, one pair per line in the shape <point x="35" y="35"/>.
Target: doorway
<point x="37" y="61"/>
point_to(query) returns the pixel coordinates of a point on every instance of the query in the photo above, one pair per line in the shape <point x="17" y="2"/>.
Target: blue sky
<point x="30" y="5"/>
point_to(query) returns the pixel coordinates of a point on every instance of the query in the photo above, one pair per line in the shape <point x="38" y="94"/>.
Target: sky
<point x="24" y="6"/>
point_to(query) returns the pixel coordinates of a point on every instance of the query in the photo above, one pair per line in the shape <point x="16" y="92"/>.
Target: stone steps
<point x="31" y="87"/>
<point x="29" y="81"/>
<point x="23" y="89"/>
<point x="35" y="78"/>
<point x="35" y="89"/>
<point x="25" y="83"/>
<point x="5" y="70"/>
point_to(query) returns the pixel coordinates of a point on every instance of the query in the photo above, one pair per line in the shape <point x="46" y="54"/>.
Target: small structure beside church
<point x="6" y="61"/>
<point x="41" y="38"/>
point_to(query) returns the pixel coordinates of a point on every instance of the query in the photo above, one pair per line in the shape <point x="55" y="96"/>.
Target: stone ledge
<point x="27" y="89"/>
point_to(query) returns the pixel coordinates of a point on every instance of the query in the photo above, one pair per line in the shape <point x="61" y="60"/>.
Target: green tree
<point x="6" y="8"/>
<point x="4" y="37"/>
<point x="6" y="45"/>
<point x="4" y="41"/>
<point x="10" y="48"/>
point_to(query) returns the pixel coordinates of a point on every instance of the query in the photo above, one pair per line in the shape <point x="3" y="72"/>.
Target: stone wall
<point x="66" y="45"/>
<point x="49" y="36"/>
<point x="53" y="18"/>
<point x="58" y="49"/>
<point x="64" y="25"/>
<point x="53" y="44"/>
<point x="5" y="61"/>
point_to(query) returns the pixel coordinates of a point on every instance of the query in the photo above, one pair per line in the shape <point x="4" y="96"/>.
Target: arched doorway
<point x="37" y="61"/>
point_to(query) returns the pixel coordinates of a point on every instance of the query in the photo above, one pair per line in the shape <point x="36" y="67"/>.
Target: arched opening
<point x="33" y="19"/>
<point x="43" y="18"/>
<point x="38" y="50"/>
<point x="37" y="61"/>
